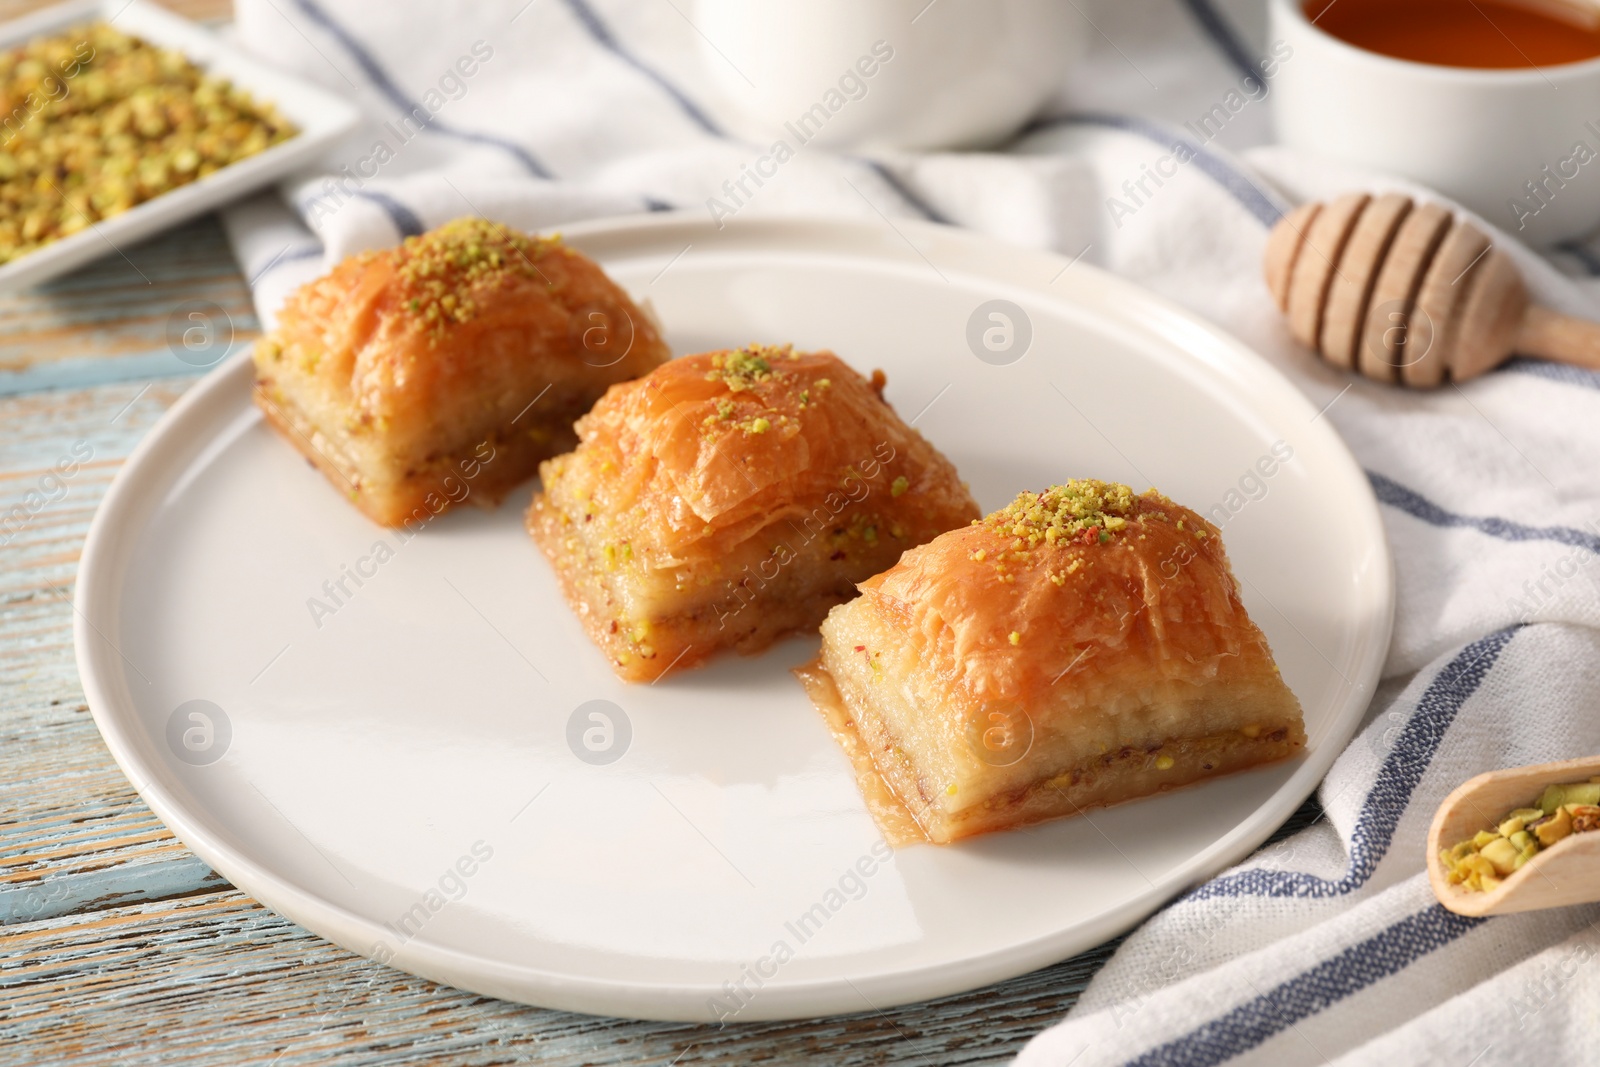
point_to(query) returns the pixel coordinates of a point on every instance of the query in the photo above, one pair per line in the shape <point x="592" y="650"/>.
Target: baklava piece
<point x="1080" y="647"/>
<point x="731" y="498"/>
<point x="448" y="368"/>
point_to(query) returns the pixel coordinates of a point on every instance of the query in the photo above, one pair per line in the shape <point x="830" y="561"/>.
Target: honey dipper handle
<point x="1551" y="335"/>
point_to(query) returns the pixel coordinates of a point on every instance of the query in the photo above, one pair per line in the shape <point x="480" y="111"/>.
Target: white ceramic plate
<point x="321" y="117"/>
<point x="361" y="757"/>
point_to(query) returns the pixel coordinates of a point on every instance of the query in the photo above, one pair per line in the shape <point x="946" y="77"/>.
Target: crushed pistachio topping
<point x="899" y="486"/>
<point x="724" y="413"/>
<point x="1015" y="638"/>
<point x="441" y="270"/>
<point x="743" y="371"/>
<point x="1481" y="863"/>
<point x="1085" y="511"/>
<point x="98" y="122"/>
<point x="742" y="368"/>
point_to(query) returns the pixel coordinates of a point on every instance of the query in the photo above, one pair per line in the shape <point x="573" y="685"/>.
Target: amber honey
<point x="1458" y="33"/>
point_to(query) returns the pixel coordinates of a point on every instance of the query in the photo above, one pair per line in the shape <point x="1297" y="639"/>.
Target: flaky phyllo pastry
<point x="448" y="368"/>
<point x="1080" y="647"/>
<point x="731" y="498"/>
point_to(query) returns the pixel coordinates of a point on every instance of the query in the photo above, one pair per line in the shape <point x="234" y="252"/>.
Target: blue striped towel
<point x="1325" y="947"/>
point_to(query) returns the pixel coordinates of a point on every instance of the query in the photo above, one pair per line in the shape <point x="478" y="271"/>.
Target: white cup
<point x="1504" y="143"/>
<point x="887" y="73"/>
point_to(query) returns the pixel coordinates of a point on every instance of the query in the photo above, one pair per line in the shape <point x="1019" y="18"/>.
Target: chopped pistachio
<point x="1554" y="796"/>
<point x="1554" y="827"/>
<point x="1518" y="819"/>
<point x="741" y="368"/>
<point x="442" y="271"/>
<point x="1080" y="510"/>
<point x="101" y="121"/>
<point x="1479" y="864"/>
<point x="1501" y="853"/>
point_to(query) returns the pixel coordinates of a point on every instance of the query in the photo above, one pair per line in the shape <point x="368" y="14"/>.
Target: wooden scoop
<point x="1568" y="872"/>
<point x="1407" y="293"/>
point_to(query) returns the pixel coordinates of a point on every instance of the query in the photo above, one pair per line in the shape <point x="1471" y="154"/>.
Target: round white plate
<point x="393" y="769"/>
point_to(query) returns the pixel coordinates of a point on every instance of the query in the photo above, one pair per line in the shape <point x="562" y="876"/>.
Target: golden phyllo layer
<point x="1080" y="647"/>
<point x="448" y="368"/>
<point x="731" y="498"/>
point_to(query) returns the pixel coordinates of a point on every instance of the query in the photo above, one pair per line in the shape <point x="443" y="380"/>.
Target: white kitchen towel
<point x="1326" y="946"/>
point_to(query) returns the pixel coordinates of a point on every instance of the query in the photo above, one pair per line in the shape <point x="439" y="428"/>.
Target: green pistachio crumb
<point x="444" y="269"/>
<point x="1084" y="510"/>
<point x="741" y="368"/>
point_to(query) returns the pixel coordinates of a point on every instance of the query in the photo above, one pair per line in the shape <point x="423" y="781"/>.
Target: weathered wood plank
<point x="110" y="321"/>
<point x="215" y="979"/>
<point x="73" y="834"/>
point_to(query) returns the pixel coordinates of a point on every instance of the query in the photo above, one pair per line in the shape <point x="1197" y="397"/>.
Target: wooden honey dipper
<point x="1407" y="293"/>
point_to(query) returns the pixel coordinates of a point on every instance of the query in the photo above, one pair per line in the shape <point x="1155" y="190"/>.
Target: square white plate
<point x="321" y="117"/>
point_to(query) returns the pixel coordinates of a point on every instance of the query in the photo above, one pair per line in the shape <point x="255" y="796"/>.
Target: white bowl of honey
<point x="1494" y="103"/>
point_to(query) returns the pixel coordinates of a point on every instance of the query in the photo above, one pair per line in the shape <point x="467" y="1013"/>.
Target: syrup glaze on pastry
<point x="731" y="498"/>
<point x="1081" y="647"/>
<point x="448" y="368"/>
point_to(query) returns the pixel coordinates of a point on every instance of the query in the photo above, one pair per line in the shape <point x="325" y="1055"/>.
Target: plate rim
<point x="97" y="597"/>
